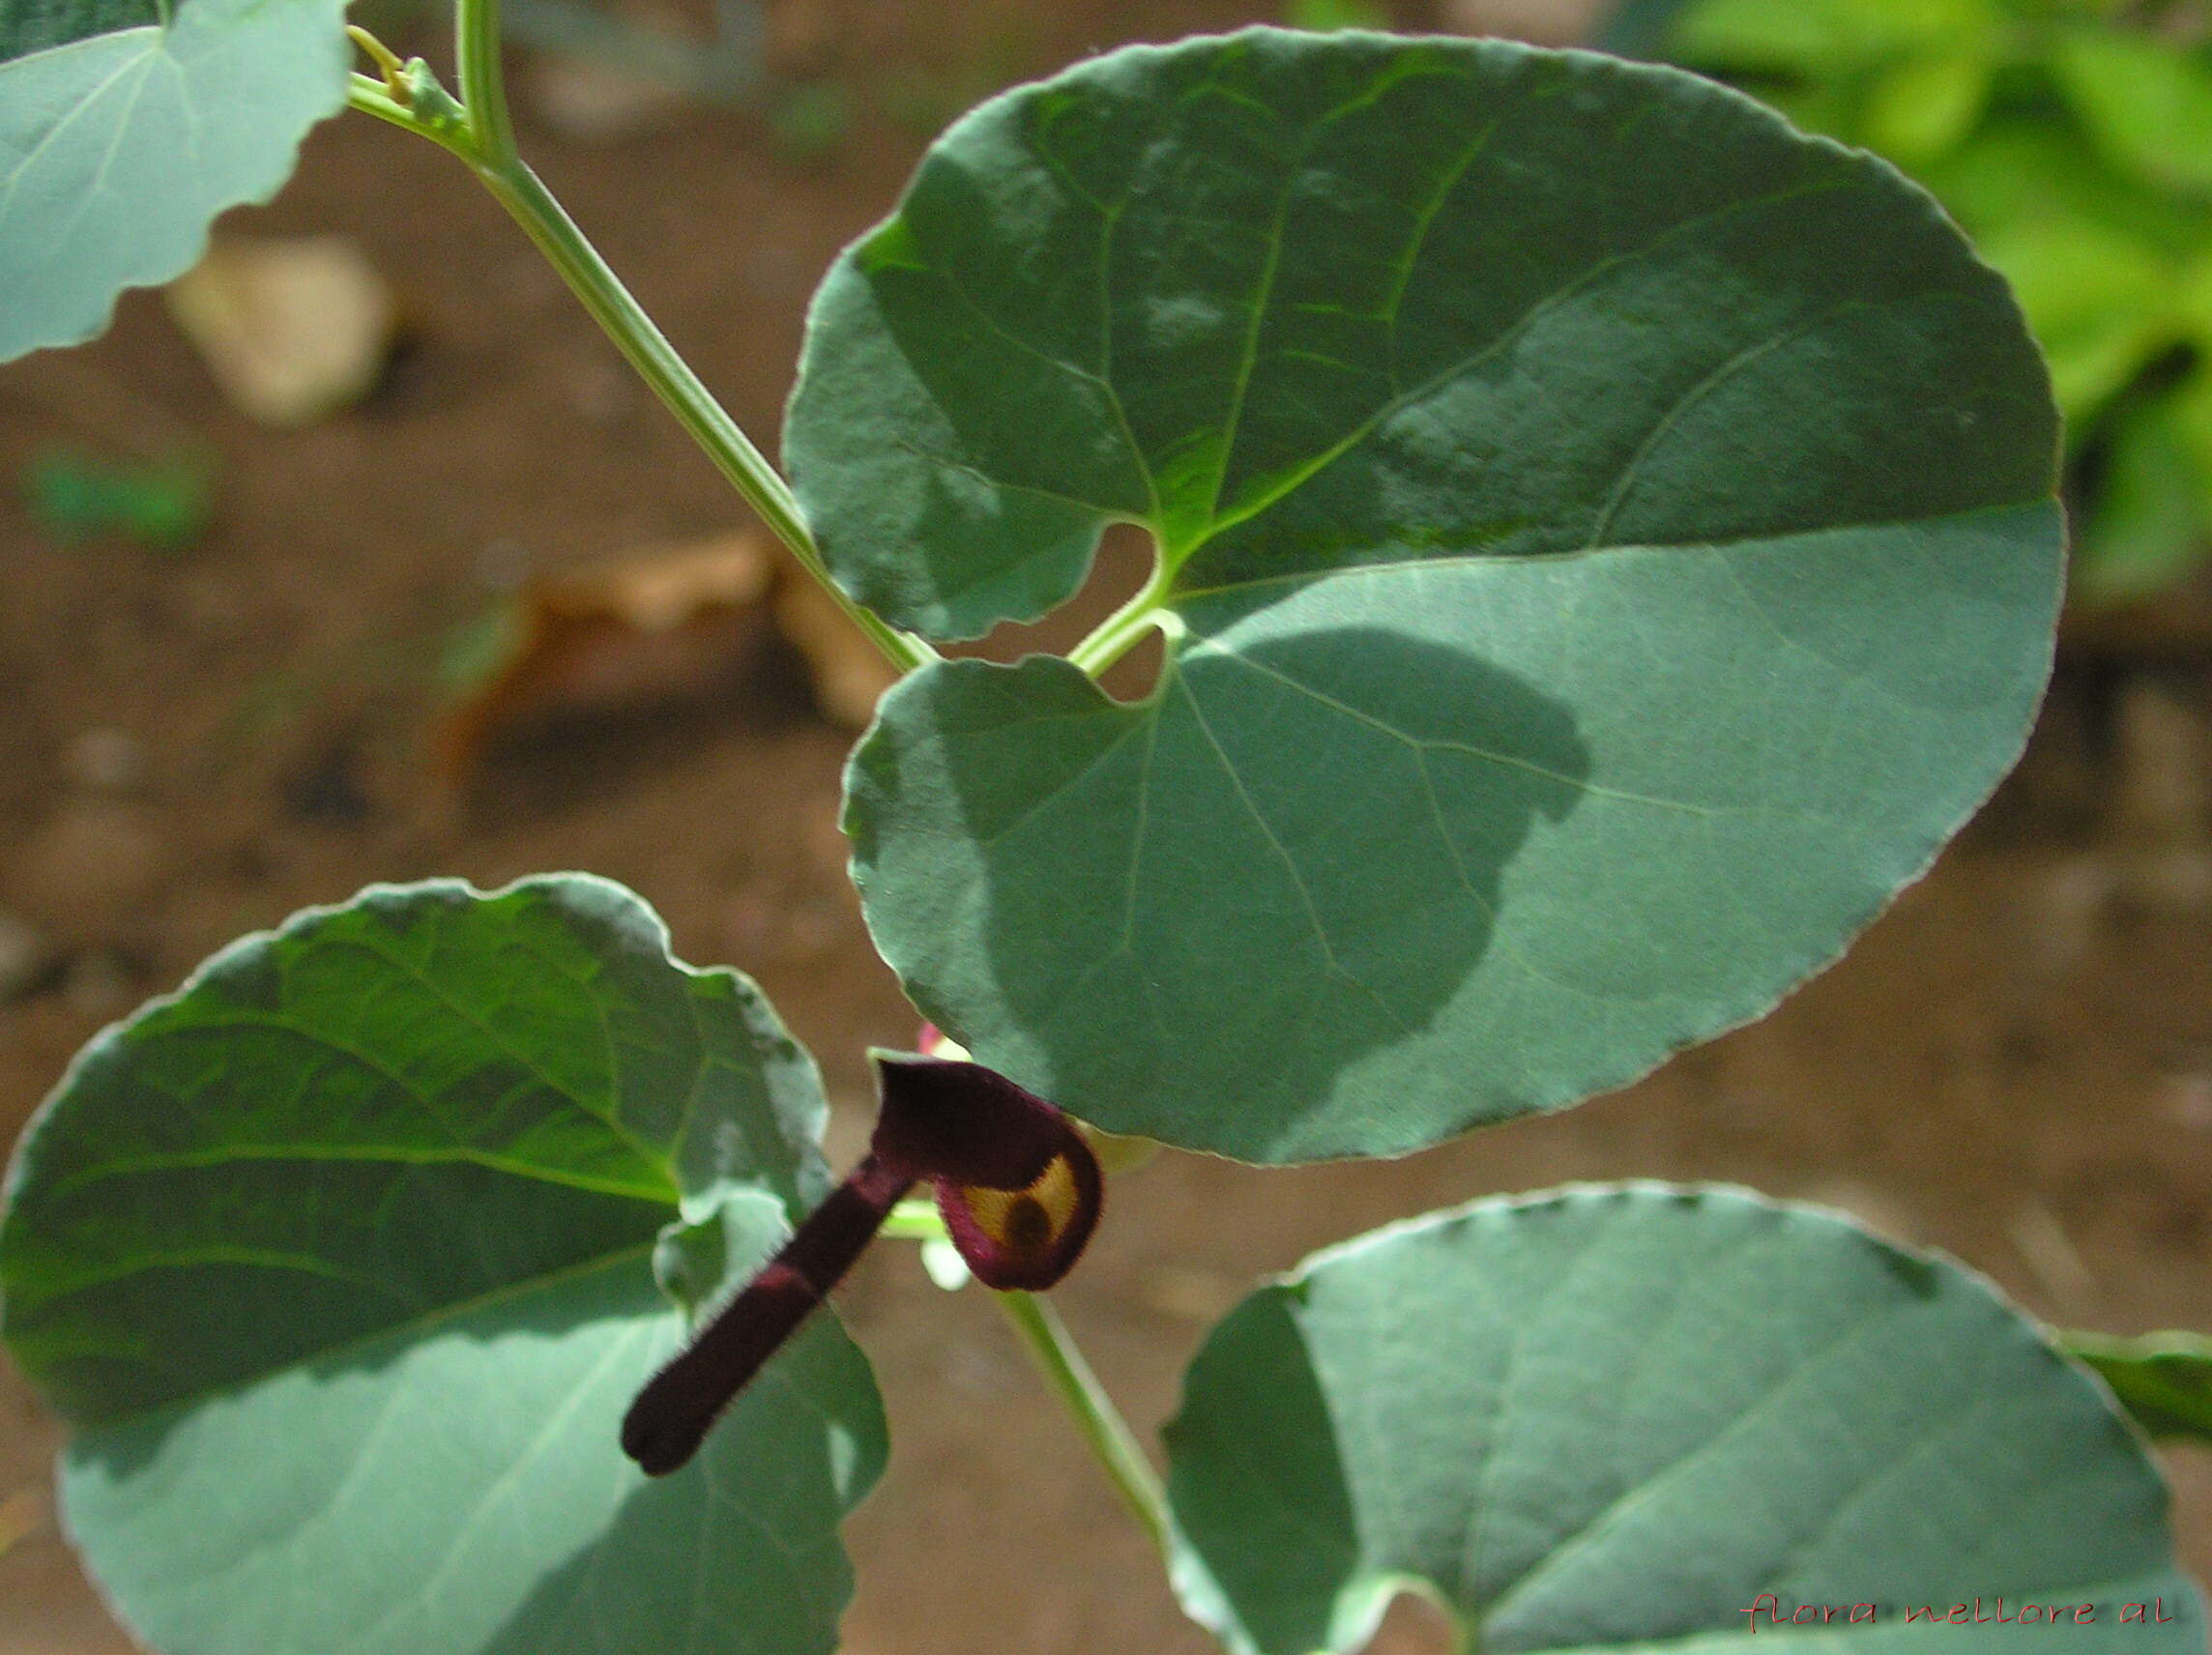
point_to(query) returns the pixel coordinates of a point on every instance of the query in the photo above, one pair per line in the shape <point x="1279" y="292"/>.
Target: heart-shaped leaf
<point x="342" y="1263"/>
<point x="1606" y="546"/>
<point x="126" y="126"/>
<point x="1639" y="1417"/>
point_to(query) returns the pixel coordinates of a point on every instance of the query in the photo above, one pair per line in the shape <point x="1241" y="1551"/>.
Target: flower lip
<point x="1017" y="1184"/>
<point x="1027" y="1239"/>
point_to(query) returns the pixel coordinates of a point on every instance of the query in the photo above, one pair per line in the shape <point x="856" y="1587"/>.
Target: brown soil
<point x="2015" y="1066"/>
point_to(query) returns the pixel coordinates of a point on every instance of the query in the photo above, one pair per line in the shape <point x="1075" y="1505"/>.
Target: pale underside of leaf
<point x="1612" y="1418"/>
<point x="344" y="1262"/>
<point x="120" y="144"/>
<point x="461" y="1489"/>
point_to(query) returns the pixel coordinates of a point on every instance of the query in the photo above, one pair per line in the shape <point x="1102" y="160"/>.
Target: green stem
<point x="914" y="1221"/>
<point x="485" y="140"/>
<point x="371" y="98"/>
<point x="532" y="205"/>
<point x="483" y="90"/>
<point x="1123" y="631"/>
<point x="1051" y="1348"/>
<point x="1058" y="1357"/>
<point x="2164" y="1380"/>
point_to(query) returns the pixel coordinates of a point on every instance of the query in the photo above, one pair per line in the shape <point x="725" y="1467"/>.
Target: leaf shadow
<point x="1247" y="916"/>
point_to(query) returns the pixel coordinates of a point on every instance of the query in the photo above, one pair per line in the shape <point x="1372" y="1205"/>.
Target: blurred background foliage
<point x="2073" y="140"/>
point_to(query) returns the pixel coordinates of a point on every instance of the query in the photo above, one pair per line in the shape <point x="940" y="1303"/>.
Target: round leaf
<point x="1606" y="548"/>
<point x="126" y="126"/>
<point x="1616" y="1417"/>
<point x="342" y="1263"/>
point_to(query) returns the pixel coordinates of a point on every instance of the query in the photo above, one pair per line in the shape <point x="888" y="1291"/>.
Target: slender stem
<point x="914" y="1221"/>
<point x="483" y="92"/>
<point x="1121" y="631"/>
<point x="485" y="140"/>
<point x="371" y="98"/>
<point x="1061" y="1360"/>
<point x="532" y="205"/>
<point x="1058" y="1357"/>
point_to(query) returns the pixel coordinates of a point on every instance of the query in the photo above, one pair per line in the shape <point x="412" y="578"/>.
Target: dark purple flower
<point x="1019" y="1189"/>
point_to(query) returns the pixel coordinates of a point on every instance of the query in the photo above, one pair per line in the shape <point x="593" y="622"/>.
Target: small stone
<point x="292" y="329"/>
<point x="94" y="863"/>
<point x="662" y="623"/>
<point x="590" y="104"/>
<point x="849" y="673"/>
<point x="105" y="760"/>
<point x="99" y="983"/>
<point x="26" y="958"/>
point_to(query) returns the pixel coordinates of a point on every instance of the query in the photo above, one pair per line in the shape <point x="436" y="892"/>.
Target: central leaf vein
<point x="1290" y="863"/>
<point x="1296" y="478"/>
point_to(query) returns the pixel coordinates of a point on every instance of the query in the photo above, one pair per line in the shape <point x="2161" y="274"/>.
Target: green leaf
<point x="2164" y="1380"/>
<point x="2021" y="166"/>
<point x="2148" y="508"/>
<point x="126" y="126"/>
<point x="1822" y="38"/>
<point x="2102" y="303"/>
<point x="1613" y="1417"/>
<point x="1606" y="548"/>
<point x="162" y="505"/>
<point x="382" y="1192"/>
<point x="1323" y="16"/>
<point x="1922" y="110"/>
<point x="2147" y="105"/>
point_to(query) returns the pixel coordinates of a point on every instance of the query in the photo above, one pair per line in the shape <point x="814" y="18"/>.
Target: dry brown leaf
<point x="848" y="671"/>
<point x="292" y="329"/>
<point x="659" y="623"/>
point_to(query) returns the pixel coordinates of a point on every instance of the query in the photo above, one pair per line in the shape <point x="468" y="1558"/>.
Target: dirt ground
<point x="2015" y="1066"/>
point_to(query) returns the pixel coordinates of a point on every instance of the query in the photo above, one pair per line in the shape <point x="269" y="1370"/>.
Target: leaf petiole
<point x="482" y="135"/>
<point x="483" y="89"/>
<point x="914" y="1221"/>
<point x="1125" y="630"/>
<point x="1060" y="1361"/>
